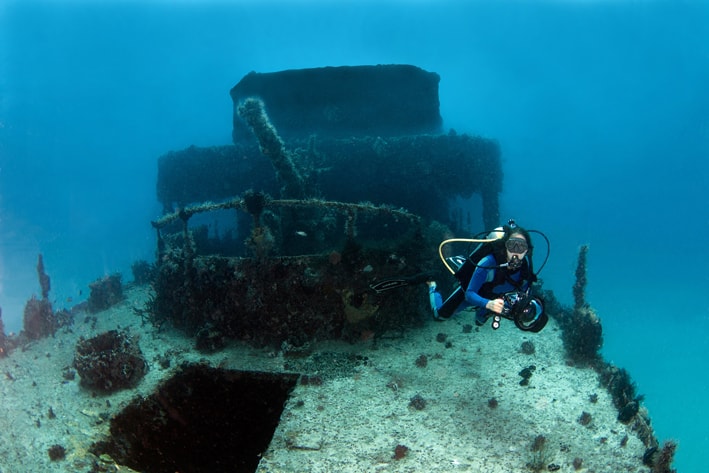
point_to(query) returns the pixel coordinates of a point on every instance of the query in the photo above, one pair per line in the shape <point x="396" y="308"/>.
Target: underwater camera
<point x="526" y="311"/>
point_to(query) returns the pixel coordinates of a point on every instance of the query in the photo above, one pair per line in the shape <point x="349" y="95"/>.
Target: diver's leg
<point x="434" y="298"/>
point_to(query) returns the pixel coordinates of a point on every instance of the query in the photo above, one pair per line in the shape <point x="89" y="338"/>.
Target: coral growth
<point x="582" y="333"/>
<point x="578" y="463"/>
<point x="143" y="272"/>
<point x="255" y="203"/>
<point x="4" y="348"/>
<point x="400" y="452"/>
<point x="43" y="278"/>
<point x="540" y="454"/>
<point x="276" y="299"/>
<point x="105" y="293"/>
<point x="261" y="241"/>
<point x="421" y="361"/>
<point x="39" y="319"/>
<point x="526" y="374"/>
<point x="358" y="306"/>
<point x="110" y="361"/>
<point x="527" y="347"/>
<point x="622" y="390"/>
<point x="579" y="289"/>
<point x="417" y="402"/>
<point x="253" y="112"/>
<point x="620" y="385"/>
<point x="585" y="418"/>
<point x="56" y="452"/>
<point x="663" y="461"/>
<point x="583" y="336"/>
<point x="660" y="460"/>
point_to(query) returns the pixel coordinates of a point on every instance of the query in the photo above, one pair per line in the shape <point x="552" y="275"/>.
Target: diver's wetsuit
<point x="481" y="290"/>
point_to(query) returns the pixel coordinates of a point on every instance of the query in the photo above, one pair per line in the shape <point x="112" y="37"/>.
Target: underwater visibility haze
<point x="600" y="110"/>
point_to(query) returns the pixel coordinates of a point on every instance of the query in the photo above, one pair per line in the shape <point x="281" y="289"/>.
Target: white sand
<point x="350" y="423"/>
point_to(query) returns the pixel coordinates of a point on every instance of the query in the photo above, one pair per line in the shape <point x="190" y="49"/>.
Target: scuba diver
<point x="495" y="279"/>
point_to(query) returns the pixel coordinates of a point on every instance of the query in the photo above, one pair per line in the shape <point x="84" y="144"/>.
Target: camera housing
<point x="525" y="311"/>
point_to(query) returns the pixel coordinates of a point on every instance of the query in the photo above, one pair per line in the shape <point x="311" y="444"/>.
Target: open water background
<point x="601" y="109"/>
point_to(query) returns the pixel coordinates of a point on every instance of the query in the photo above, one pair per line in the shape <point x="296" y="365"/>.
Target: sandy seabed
<point x="353" y="421"/>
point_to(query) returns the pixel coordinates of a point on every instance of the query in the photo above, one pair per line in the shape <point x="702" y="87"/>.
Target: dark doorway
<point x="202" y="419"/>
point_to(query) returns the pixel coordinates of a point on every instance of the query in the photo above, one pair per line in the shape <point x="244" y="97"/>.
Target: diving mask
<point x="516" y="245"/>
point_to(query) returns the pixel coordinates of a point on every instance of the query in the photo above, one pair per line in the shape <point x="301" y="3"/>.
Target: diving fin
<point x="394" y="283"/>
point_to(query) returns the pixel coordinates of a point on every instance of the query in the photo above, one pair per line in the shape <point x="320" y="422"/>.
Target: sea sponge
<point x="38" y="319"/>
<point x="56" y="452"/>
<point x="110" y="361"/>
<point x="400" y="452"/>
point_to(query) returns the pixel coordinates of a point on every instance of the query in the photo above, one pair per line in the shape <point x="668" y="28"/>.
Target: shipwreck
<point x="337" y="177"/>
<point x="339" y="181"/>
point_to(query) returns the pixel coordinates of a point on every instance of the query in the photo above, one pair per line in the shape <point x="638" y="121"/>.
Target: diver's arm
<point x="480" y="276"/>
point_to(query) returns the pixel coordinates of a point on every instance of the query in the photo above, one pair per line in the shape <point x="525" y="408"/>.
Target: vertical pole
<point x="491" y="208"/>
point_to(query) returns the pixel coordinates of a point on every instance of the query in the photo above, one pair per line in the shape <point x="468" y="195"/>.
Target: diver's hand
<point x="495" y="305"/>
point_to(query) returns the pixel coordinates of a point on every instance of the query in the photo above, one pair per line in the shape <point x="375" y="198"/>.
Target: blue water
<point x="601" y="110"/>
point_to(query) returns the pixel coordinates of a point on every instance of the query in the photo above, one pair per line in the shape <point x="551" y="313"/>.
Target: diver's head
<point x="517" y="244"/>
